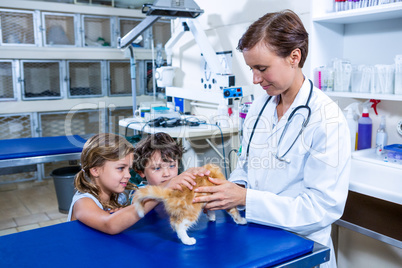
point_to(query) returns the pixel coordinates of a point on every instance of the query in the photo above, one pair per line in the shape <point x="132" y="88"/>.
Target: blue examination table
<point x="29" y="151"/>
<point x="152" y="243"/>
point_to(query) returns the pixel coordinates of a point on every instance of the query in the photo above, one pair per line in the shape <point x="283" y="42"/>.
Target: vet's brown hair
<point x="282" y="32"/>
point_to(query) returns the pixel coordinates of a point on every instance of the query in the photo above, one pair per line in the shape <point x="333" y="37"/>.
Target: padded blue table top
<point x="152" y="243"/>
<point x="30" y="147"/>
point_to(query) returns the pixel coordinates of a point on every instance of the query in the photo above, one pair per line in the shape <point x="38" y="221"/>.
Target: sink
<point x="371" y="176"/>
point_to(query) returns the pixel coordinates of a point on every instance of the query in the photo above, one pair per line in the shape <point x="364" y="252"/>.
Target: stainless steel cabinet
<point x="119" y="78"/>
<point x="60" y="29"/>
<point x="85" y="78"/>
<point x="41" y="79"/>
<point x="8" y="90"/>
<point x="98" y="31"/>
<point x="19" y="27"/>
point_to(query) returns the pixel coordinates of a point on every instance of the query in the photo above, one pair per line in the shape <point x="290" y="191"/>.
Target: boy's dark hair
<point x="161" y="142"/>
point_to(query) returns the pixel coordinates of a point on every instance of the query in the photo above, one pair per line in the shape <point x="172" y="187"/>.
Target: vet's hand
<point x="224" y="195"/>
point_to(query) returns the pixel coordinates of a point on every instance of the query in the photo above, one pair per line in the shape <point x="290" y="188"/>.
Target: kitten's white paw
<point x="241" y="221"/>
<point x="189" y="241"/>
<point x="140" y="210"/>
<point x="140" y="213"/>
<point x="211" y="215"/>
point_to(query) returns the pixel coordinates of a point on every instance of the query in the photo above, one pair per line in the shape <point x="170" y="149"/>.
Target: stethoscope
<point x="303" y="126"/>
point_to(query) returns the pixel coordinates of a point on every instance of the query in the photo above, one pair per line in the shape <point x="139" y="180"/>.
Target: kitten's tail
<point x="149" y="192"/>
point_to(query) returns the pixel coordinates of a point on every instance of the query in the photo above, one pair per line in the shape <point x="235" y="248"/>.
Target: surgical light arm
<point x="202" y="42"/>
<point x="137" y="31"/>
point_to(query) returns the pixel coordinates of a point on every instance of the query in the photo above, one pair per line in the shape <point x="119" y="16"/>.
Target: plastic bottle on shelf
<point x="365" y="127"/>
<point x="352" y="119"/>
<point x="223" y="116"/>
<point x="381" y="138"/>
<point x="398" y="75"/>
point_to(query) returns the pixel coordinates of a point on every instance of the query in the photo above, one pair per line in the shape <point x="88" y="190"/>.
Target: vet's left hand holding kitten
<point x="225" y="195"/>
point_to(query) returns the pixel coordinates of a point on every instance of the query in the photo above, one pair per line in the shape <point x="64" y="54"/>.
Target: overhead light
<point x="161" y="8"/>
<point x="173" y="8"/>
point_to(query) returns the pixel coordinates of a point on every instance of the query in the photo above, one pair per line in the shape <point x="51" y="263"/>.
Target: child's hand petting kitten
<point x="199" y="171"/>
<point x="187" y="178"/>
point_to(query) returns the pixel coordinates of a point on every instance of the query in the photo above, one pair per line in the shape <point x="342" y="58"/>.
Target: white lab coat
<point x="309" y="194"/>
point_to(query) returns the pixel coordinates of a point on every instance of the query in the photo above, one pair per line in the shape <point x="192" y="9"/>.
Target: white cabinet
<point x="371" y="35"/>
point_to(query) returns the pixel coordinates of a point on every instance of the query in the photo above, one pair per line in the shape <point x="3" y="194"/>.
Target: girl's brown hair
<point x="282" y="32"/>
<point x="161" y="142"/>
<point x="97" y="150"/>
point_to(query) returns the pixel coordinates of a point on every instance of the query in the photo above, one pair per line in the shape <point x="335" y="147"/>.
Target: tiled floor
<point x="31" y="205"/>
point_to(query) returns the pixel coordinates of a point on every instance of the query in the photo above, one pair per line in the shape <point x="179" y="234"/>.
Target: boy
<point x="157" y="158"/>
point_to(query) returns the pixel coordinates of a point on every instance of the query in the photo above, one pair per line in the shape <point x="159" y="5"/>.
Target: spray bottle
<point x="382" y="137"/>
<point x="351" y="117"/>
<point x="365" y="127"/>
<point x="223" y="116"/>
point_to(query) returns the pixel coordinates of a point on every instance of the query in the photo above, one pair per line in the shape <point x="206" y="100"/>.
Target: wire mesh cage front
<point x="60" y="29"/>
<point x="149" y="81"/>
<point x="126" y="25"/>
<point x="161" y="32"/>
<point x="96" y="2"/>
<point x="117" y="114"/>
<point x="85" y="78"/>
<point x="74" y="122"/>
<point x="97" y="31"/>
<point x="6" y="81"/>
<point x="120" y="78"/>
<point x="15" y="126"/>
<point x="82" y="122"/>
<point x="17" y="27"/>
<point x="41" y="80"/>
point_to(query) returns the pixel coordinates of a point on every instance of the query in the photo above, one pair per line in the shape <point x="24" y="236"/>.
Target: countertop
<point x="371" y="176"/>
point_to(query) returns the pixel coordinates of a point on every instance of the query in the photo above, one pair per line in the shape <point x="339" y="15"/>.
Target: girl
<point x="106" y="160"/>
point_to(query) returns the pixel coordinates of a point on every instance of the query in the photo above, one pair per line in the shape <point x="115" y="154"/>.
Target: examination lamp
<point x="161" y="8"/>
<point x="173" y="8"/>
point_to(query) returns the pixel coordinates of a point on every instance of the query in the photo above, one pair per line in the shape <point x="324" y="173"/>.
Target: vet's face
<point x="158" y="171"/>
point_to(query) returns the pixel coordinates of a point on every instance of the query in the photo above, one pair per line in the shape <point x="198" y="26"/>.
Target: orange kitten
<point x="179" y="204"/>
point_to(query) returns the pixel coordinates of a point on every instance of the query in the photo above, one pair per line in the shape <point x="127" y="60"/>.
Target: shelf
<point x="72" y="8"/>
<point x="12" y="107"/>
<point x="27" y="52"/>
<point x="375" y="13"/>
<point x="391" y="97"/>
